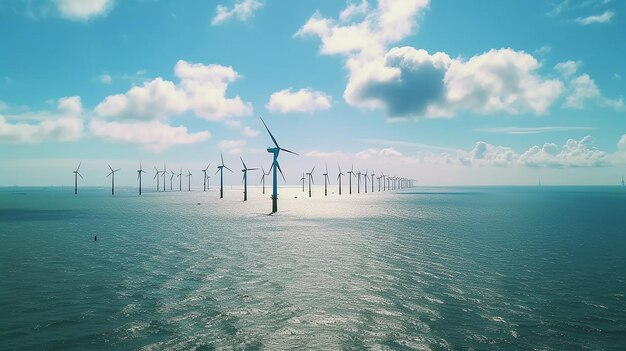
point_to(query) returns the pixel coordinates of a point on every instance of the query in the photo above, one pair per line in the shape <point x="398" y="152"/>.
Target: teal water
<point x="425" y="268"/>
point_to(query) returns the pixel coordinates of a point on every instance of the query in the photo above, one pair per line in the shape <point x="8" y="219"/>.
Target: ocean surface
<point x="462" y="268"/>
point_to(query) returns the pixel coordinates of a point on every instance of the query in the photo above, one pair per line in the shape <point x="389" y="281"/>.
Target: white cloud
<point x="354" y="10"/>
<point x="568" y="68"/>
<point x="372" y="152"/>
<point x="105" y="79"/>
<point x="65" y="124"/>
<point x="573" y="154"/>
<point x="250" y="132"/>
<point x="232" y="147"/>
<point x="303" y="100"/>
<point x="202" y="89"/>
<point x="583" y="89"/>
<point x="412" y="83"/>
<point x="603" y="18"/>
<point x="153" y="135"/>
<point x="83" y="10"/>
<point x="335" y="155"/>
<point x="242" y="10"/>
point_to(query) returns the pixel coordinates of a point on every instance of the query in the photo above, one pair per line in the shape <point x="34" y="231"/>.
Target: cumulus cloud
<point x="232" y="147"/>
<point x="242" y="10"/>
<point x="373" y="152"/>
<point x="65" y="124"/>
<point x="603" y="18"/>
<point x="202" y="90"/>
<point x="582" y="90"/>
<point x="152" y="135"/>
<point x="408" y="82"/>
<point x="568" y="68"/>
<point x="83" y="10"/>
<point x="105" y="79"/>
<point x="303" y="100"/>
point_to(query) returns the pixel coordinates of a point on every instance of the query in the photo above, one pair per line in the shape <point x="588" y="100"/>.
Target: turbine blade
<point x="110" y="167"/>
<point x="253" y="169"/>
<point x="243" y="163"/>
<point x="81" y="176"/>
<point x="117" y="169"/>
<point x="222" y="157"/>
<point x="312" y="170"/>
<point x="79" y="163"/>
<point x="289" y="151"/>
<point x="109" y="174"/>
<point x="271" y="136"/>
<point x="281" y="171"/>
<point x="231" y="171"/>
<point x="218" y="170"/>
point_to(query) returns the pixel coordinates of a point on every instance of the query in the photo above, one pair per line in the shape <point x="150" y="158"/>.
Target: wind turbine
<point x="112" y="179"/>
<point x="339" y="178"/>
<point x="326" y="181"/>
<point x="164" y="172"/>
<point x="276" y="166"/>
<point x="302" y="180"/>
<point x="220" y="169"/>
<point x="189" y="179"/>
<point x="310" y="176"/>
<point x="365" y="179"/>
<point x="204" y="171"/>
<point x="180" y="180"/>
<point x="156" y="176"/>
<point x="379" y="178"/>
<point x="373" y="181"/>
<point x="76" y="174"/>
<point x="245" y="178"/>
<point x="263" y="178"/>
<point x="139" y="171"/>
<point x="172" y="179"/>
<point x="358" y="178"/>
<point x="351" y="174"/>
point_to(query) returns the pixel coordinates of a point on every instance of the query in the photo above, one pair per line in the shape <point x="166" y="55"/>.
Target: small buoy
<point x="295" y="197"/>
<point x="95" y="238"/>
<point x="198" y="203"/>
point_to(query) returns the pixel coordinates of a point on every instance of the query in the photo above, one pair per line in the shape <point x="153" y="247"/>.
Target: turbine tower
<point x="112" y="179"/>
<point x="351" y="174"/>
<point x="326" y="181"/>
<point x="373" y="181"/>
<point x="245" y="178"/>
<point x="172" y="179"/>
<point x="139" y="171"/>
<point x="220" y="170"/>
<point x="189" y="179"/>
<point x="204" y="171"/>
<point x="303" y="179"/>
<point x="339" y="178"/>
<point x="358" y="178"/>
<point x="276" y="166"/>
<point x="77" y="173"/>
<point x="310" y="176"/>
<point x="164" y="173"/>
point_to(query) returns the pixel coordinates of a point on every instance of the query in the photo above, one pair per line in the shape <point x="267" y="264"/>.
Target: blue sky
<point x="447" y="92"/>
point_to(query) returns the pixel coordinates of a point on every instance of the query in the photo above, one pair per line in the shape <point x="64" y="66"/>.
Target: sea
<point x="425" y="268"/>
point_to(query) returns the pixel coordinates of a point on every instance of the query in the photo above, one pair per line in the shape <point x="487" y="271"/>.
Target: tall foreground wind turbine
<point x="326" y="181"/>
<point x="275" y="150"/>
<point x="351" y="174"/>
<point x="112" y="179"/>
<point x="220" y="169"/>
<point x="245" y="178"/>
<point x="204" y="171"/>
<point x="139" y="171"/>
<point x="310" y="176"/>
<point x="76" y="174"/>
<point x="339" y="178"/>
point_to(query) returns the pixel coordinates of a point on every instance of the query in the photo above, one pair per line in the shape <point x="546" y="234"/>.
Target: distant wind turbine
<point x="365" y="175"/>
<point x="358" y="178"/>
<point x="77" y="173"/>
<point x="351" y="174"/>
<point x="172" y="179"/>
<point x="339" y="178"/>
<point x="263" y="178"/>
<point x="310" y="175"/>
<point x="189" y="179"/>
<point x="156" y="176"/>
<point x="180" y="180"/>
<point x="220" y="170"/>
<point x="164" y="173"/>
<point x="379" y="178"/>
<point x="303" y="179"/>
<point x="373" y="181"/>
<point x="204" y="171"/>
<point x="245" y="178"/>
<point x="326" y="181"/>
<point x="112" y="179"/>
<point x="276" y="167"/>
<point x="139" y="171"/>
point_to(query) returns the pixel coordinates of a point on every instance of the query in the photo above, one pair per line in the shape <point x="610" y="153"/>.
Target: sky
<point x="444" y="92"/>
